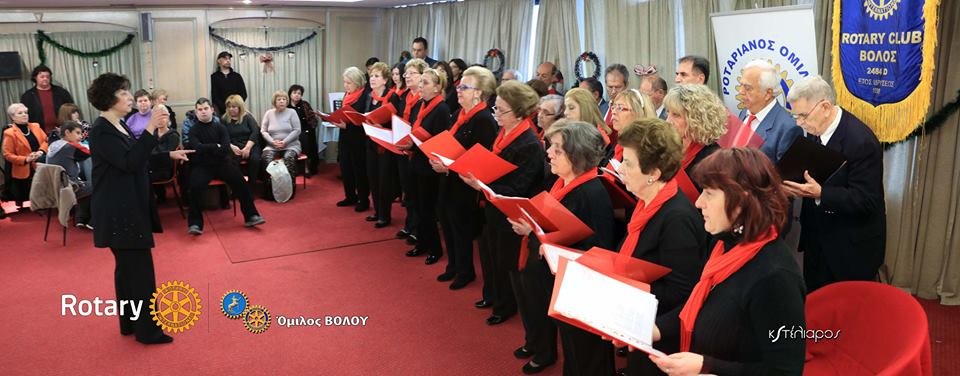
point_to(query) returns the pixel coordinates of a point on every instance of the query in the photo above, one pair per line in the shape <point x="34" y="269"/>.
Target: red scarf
<point x="350" y="98"/>
<point x="606" y="138"/>
<point x="641" y="215"/>
<point x="503" y="140"/>
<point x="426" y="108"/>
<point x="387" y="94"/>
<point x="720" y="266"/>
<point x="411" y="100"/>
<point x="558" y="191"/>
<point x="465" y="116"/>
<point x="618" y="153"/>
<point x="686" y="185"/>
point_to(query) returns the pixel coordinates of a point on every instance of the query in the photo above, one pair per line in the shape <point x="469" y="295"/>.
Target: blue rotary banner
<point x="883" y="62"/>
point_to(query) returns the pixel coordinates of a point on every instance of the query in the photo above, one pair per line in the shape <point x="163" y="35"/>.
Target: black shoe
<point x="622" y="352"/>
<point x="411" y="239"/>
<point x="497" y="319"/>
<point x="461" y="282"/>
<point x="347" y="202"/>
<point x="446" y="277"/>
<point x="482" y="303"/>
<point x="362" y="207"/>
<point x="431" y="260"/>
<point x="522" y="352"/>
<point x="402" y="234"/>
<point x="371" y="218"/>
<point x="530" y="369"/>
<point x="381" y="224"/>
<point x="254" y="220"/>
<point x="162" y="338"/>
<point x="194" y="230"/>
<point x="414" y="252"/>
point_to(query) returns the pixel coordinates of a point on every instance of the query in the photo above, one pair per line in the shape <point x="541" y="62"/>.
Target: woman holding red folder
<point x="381" y="164"/>
<point x="353" y="165"/>
<point x="459" y="204"/>
<point x="751" y="285"/>
<point x="575" y="149"/>
<point x="432" y="116"/>
<point x="518" y="144"/>
<point x="411" y="75"/>
<point x="701" y="118"/>
<point x="664" y="229"/>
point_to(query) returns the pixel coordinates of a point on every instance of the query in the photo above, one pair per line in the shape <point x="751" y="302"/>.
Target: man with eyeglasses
<point x="759" y="88"/>
<point x="843" y="233"/>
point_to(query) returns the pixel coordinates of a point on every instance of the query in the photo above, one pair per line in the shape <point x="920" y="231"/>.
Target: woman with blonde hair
<point x="411" y="76"/>
<point x="244" y="136"/>
<point x="579" y="105"/>
<point x="701" y="118"/>
<point x="630" y="105"/>
<point x="381" y="164"/>
<point x="280" y="128"/>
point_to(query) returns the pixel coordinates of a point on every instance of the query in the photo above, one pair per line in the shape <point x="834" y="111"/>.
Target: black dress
<point x="460" y="215"/>
<point x="733" y="327"/>
<point x="381" y="171"/>
<point x="353" y="165"/>
<point x="427" y="181"/>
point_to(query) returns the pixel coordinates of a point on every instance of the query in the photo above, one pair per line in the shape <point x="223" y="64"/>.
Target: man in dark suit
<point x="759" y="88"/>
<point x="655" y="87"/>
<point x="843" y="221"/>
<point x="596" y="88"/>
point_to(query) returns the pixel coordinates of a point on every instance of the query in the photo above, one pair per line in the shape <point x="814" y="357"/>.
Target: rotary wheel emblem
<point x="175" y="306"/>
<point x="880" y="9"/>
<point x="256" y="319"/>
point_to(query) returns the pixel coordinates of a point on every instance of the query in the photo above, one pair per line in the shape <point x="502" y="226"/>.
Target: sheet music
<point x="401" y="129"/>
<point x="623" y="311"/>
<point x="553" y="254"/>
<point x="378" y="133"/>
<point x="537" y="230"/>
<point x="612" y="173"/>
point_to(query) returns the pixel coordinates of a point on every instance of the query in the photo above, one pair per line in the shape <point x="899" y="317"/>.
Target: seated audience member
<point x="24" y="144"/>
<point x="212" y="161"/>
<point x="665" y="227"/>
<point x="137" y="120"/>
<point x="70" y="112"/>
<point x="701" y="119"/>
<point x="244" y="138"/>
<point x="308" y="128"/>
<point x="280" y="128"/>
<point x="159" y="96"/>
<point x="160" y="165"/>
<point x="575" y="150"/>
<point x="68" y="152"/>
<point x="751" y="285"/>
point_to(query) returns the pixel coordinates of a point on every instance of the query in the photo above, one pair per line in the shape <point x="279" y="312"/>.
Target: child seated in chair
<point x="69" y="153"/>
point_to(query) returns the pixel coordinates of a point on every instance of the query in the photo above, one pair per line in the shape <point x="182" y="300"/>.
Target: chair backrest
<point x="877" y="329"/>
<point x="45" y="188"/>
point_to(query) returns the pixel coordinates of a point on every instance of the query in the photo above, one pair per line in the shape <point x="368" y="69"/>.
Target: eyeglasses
<point x="803" y="115"/>
<point x="496" y="110"/>
<point x="622" y="108"/>
<point x="463" y="87"/>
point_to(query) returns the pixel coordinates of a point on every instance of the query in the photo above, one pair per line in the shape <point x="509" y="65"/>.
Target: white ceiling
<point x="195" y="3"/>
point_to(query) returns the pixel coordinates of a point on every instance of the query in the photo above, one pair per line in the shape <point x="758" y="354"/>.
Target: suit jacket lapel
<point x="836" y="140"/>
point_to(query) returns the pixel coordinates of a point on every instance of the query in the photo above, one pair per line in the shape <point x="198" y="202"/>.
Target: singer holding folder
<point x="411" y="75"/>
<point x="433" y="116"/>
<point x="518" y="144"/>
<point x="460" y="215"/>
<point x="750" y="287"/>
<point x="353" y="165"/>
<point x="664" y="229"/>
<point x="701" y="119"/>
<point x="575" y="149"/>
<point x="381" y="164"/>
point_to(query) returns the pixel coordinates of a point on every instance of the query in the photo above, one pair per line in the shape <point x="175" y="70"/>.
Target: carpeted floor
<point x="310" y="259"/>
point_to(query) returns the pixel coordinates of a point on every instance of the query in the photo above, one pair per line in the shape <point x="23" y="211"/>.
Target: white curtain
<point x="465" y="30"/>
<point x="296" y="65"/>
<point x="73" y="73"/>
<point x="630" y="32"/>
<point x="558" y="37"/>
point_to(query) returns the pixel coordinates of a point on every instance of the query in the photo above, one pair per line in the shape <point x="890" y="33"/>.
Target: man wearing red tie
<point x="759" y="88"/>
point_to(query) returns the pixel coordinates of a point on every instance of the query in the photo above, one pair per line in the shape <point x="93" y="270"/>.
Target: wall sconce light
<point x="290" y="54"/>
<point x="243" y="56"/>
<point x="96" y="64"/>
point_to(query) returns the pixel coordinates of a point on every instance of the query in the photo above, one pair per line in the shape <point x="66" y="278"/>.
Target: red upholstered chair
<point x="883" y="331"/>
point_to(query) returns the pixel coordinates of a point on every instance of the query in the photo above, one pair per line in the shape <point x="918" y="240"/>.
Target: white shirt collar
<point x="660" y="110"/>
<point x="761" y="115"/>
<point x="827" y="134"/>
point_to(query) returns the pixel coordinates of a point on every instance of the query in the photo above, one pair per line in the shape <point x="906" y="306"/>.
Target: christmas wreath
<point x="488" y="59"/>
<point x="587" y="57"/>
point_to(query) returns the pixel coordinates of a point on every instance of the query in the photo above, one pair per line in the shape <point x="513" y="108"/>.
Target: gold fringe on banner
<point x="891" y="122"/>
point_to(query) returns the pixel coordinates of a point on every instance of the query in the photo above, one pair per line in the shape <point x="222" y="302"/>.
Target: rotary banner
<point x="883" y="62"/>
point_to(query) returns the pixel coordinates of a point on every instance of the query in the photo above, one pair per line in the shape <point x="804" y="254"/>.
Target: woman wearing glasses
<point x="549" y="111"/>
<point x="460" y="215"/>
<point x="701" y="118"/>
<point x="629" y="106"/>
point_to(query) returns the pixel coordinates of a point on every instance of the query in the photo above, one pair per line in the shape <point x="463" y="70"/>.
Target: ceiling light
<point x="248" y="2"/>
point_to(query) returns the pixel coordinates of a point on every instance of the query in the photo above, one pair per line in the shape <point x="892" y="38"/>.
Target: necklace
<point x="27" y="133"/>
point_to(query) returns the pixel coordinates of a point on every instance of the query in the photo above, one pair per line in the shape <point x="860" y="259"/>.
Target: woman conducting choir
<point x="701" y="119"/>
<point x="575" y="149"/>
<point x="751" y="284"/>
<point x="460" y="215"/>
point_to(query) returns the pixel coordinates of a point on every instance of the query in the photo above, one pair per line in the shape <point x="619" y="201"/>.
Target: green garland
<point x="933" y="122"/>
<point x="44" y="38"/>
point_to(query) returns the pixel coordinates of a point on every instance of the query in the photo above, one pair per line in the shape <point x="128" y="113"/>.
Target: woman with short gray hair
<point x="353" y="157"/>
<point x="575" y="150"/>
<point x="550" y="110"/>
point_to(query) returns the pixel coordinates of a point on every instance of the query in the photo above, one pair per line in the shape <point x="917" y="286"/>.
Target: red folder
<point x="380" y="138"/>
<point x="482" y="163"/>
<point x="561" y="269"/>
<point x="421" y="134"/>
<point x="381" y="116"/>
<point x="442" y="144"/>
<point x="570" y="229"/>
<point x="739" y="135"/>
<point x="345" y="114"/>
<point x="602" y="260"/>
<point x="619" y="197"/>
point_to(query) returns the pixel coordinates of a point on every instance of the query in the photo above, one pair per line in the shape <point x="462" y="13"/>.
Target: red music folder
<point x="482" y="163"/>
<point x="381" y="116"/>
<point x="740" y="135"/>
<point x="563" y="264"/>
<point x="638" y="270"/>
<point x="443" y="144"/>
<point x="619" y="197"/>
<point x="345" y="114"/>
<point x="388" y="138"/>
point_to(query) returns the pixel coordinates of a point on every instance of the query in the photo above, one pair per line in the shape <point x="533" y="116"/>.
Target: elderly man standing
<point x="843" y="232"/>
<point x="44" y="99"/>
<point x="759" y="88"/>
<point x="655" y="87"/>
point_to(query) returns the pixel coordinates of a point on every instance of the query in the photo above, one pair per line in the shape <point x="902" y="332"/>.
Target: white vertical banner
<point x="784" y="36"/>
